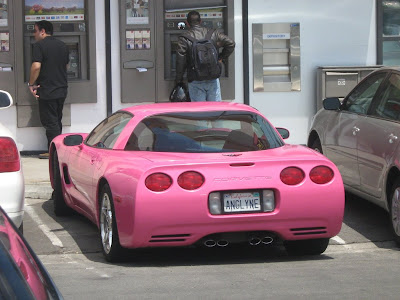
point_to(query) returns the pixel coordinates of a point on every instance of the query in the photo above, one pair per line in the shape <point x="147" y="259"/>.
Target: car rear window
<point x="204" y="132"/>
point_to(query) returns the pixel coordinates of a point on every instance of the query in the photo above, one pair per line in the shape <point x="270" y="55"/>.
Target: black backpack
<point x="203" y="59"/>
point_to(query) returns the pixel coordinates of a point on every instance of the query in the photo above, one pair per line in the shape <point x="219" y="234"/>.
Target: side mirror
<point x="331" y="103"/>
<point x="283" y="132"/>
<point x="5" y="99"/>
<point x="73" y="140"/>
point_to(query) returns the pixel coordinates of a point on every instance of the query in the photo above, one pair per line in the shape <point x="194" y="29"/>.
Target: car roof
<point x="159" y="108"/>
<point x="389" y="68"/>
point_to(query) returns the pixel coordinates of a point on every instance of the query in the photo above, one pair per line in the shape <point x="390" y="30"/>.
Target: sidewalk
<point x="37" y="180"/>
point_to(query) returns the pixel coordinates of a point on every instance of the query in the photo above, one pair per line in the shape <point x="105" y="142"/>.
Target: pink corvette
<point x="206" y="173"/>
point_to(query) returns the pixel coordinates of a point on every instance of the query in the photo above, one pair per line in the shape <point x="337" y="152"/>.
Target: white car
<point x="12" y="187"/>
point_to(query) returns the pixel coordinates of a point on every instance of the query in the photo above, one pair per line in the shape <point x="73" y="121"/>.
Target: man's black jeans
<point x="50" y="111"/>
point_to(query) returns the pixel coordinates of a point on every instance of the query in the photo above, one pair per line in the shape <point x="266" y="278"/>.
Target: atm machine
<point x="7" y="48"/>
<point x="74" y="24"/>
<point x="154" y="67"/>
<point x="217" y="14"/>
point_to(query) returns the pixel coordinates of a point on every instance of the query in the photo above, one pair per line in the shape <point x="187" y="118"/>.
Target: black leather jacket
<point x="199" y="32"/>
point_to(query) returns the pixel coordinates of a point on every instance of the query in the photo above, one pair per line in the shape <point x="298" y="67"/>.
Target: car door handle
<point x="355" y="130"/>
<point x="392" y="138"/>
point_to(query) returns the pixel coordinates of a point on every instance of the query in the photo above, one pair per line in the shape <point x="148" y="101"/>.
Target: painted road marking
<point x="338" y="240"/>
<point x="43" y="227"/>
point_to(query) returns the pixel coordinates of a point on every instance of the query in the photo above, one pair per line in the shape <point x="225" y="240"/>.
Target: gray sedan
<point x="361" y="136"/>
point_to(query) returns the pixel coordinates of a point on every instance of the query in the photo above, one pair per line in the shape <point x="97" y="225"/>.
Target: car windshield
<point x="204" y="132"/>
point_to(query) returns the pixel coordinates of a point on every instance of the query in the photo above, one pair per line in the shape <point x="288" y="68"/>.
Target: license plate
<point x="242" y="202"/>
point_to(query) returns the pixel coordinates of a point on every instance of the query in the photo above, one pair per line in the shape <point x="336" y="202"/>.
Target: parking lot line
<point x="338" y="240"/>
<point x="43" y="227"/>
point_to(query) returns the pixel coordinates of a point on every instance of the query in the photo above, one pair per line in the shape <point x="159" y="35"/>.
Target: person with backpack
<point x="198" y="54"/>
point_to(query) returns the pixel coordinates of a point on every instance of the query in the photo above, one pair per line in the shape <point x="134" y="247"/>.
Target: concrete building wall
<point x="337" y="32"/>
<point x="332" y="33"/>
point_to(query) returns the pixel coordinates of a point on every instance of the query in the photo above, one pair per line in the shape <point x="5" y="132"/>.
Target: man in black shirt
<point x="48" y="79"/>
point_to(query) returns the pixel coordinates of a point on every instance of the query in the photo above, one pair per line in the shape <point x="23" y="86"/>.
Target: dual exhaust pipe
<point x="213" y="243"/>
<point x="253" y="240"/>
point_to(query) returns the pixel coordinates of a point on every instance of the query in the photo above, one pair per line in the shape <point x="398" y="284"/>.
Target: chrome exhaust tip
<point x="254" y="240"/>
<point x="222" y="243"/>
<point x="267" y="240"/>
<point x="210" y="243"/>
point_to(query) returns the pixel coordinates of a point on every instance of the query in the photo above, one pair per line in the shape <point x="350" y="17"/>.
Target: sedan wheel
<point x="109" y="239"/>
<point x="395" y="211"/>
<point x="316" y="145"/>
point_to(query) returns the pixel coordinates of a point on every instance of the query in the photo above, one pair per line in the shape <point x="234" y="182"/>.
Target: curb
<point x="38" y="190"/>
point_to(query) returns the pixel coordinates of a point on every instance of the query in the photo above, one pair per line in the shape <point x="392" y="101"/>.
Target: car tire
<point x="306" y="247"/>
<point x="60" y="207"/>
<point x="316" y="145"/>
<point x="394" y="210"/>
<point x="108" y="231"/>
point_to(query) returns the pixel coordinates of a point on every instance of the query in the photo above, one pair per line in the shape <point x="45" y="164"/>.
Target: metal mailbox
<point x="336" y="81"/>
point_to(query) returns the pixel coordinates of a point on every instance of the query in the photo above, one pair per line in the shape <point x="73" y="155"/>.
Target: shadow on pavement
<point x="369" y="220"/>
<point x="85" y="235"/>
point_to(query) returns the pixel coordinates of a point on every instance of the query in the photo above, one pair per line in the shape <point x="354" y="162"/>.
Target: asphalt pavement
<point x="37" y="179"/>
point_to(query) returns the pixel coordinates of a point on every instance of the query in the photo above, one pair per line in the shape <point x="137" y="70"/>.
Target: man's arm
<point x="35" y="70"/>
<point x="225" y="42"/>
<point x="181" y="59"/>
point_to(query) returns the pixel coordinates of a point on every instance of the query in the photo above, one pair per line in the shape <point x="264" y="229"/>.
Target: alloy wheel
<point x="106" y="218"/>
<point x="395" y="211"/>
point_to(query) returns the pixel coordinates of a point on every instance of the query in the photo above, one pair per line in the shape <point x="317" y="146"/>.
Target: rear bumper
<point x="160" y="222"/>
<point x="189" y="234"/>
<point x="13" y="195"/>
<point x="16" y="217"/>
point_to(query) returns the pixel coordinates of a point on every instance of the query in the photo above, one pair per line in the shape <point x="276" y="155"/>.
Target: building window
<point x="388" y="30"/>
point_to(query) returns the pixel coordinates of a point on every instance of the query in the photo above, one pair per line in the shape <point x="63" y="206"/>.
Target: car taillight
<point x="321" y="174"/>
<point x="9" y="156"/>
<point x="190" y="180"/>
<point x="292" y="176"/>
<point x="158" y="182"/>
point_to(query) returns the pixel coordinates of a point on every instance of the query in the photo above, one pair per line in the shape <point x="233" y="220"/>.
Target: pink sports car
<point x="207" y="173"/>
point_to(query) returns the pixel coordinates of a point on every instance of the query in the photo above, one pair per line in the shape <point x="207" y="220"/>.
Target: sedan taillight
<point x="292" y="176"/>
<point x="158" y="182"/>
<point x="321" y="174"/>
<point x="9" y="156"/>
<point x="190" y="180"/>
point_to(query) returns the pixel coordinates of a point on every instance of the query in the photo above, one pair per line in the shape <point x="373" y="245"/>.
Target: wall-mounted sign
<point x="138" y="39"/>
<point x="211" y="18"/>
<point x="54" y="10"/>
<point x="3" y="13"/>
<point x="276" y="36"/>
<point x="204" y="14"/>
<point x="137" y="12"/>
<point x="4" y="41"/>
